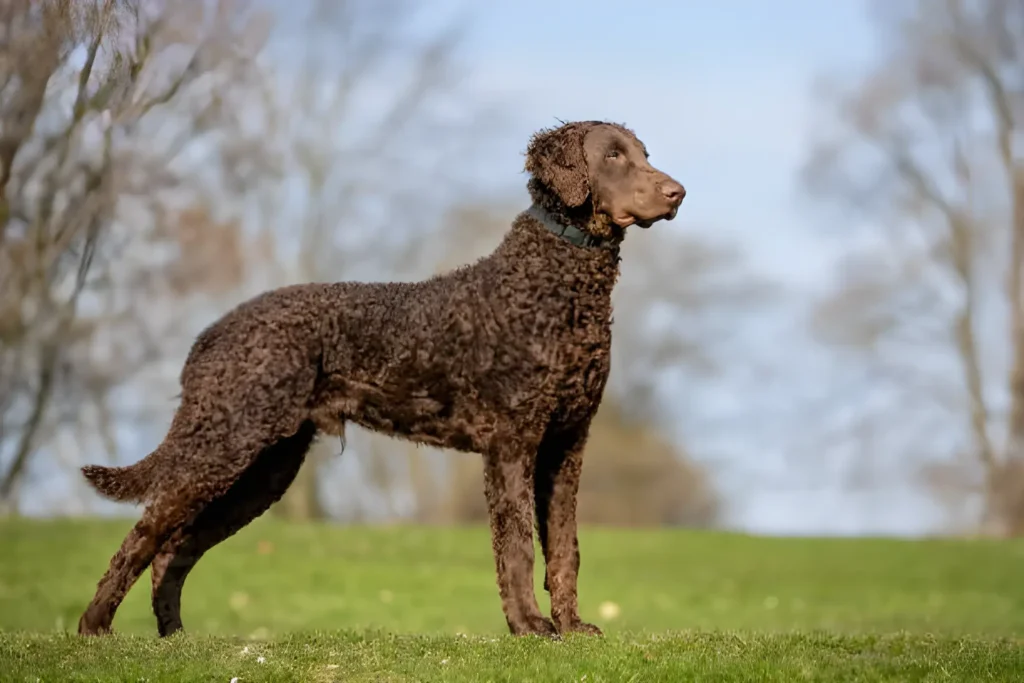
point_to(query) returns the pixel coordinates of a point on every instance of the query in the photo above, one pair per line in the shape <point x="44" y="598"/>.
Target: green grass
<point x="326" y="603"/>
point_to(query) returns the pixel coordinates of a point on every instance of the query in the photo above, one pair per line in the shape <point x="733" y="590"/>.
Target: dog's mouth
<point x="648" y="222"/>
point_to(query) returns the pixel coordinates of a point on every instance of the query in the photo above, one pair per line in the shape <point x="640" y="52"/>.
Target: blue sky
<point x="718" y="90"/>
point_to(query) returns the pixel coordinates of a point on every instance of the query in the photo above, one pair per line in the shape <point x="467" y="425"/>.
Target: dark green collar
<point x="570" y="233"/>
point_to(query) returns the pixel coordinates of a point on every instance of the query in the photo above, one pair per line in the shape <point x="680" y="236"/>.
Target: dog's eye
<point x="613" y="154"/>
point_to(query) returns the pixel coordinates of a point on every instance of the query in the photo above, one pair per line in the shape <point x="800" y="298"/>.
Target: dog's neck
<point x="536" y="234"/>
<point x="579" y="219"/>
<point x="568" y="232"/>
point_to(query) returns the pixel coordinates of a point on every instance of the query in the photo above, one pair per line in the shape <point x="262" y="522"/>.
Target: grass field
<point x="325" y="603"/>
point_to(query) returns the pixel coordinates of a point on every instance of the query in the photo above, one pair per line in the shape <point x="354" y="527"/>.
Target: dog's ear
<point x="555" y="157"/>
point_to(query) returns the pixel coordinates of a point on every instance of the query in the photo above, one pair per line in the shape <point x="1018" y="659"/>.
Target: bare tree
<point x="83" y="87"/>
<point x="234" y="164"/>
<point x="675" y="308"/>
<point x="924" y="151"/>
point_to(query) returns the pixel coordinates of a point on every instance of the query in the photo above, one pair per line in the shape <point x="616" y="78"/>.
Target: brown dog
<point x="507" y="358"/>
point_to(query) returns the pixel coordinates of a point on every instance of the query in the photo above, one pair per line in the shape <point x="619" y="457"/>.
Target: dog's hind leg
<point x="159" y="521"/>
<point x="167" y="519"/>
<point x="221" y="428"/>
<point x="259" y="487"/>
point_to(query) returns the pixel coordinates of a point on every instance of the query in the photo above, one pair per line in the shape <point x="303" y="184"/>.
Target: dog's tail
<point x="126" y="484"/>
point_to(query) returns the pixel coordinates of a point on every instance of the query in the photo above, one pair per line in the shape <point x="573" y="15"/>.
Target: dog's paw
<point x="88" y="628"/>
<point x="536" y="626"/>
<point x="579" y="626"/>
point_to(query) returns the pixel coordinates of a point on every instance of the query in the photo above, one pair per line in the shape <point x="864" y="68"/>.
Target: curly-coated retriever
<point x="507" y="357"/>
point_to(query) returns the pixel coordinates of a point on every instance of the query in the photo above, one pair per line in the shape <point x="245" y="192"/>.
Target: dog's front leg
<point x="508" y="483"/>
<point x="559" y="465"/>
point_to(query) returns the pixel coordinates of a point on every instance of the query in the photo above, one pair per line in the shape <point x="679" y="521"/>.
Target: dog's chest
<point x="584" y="355"/>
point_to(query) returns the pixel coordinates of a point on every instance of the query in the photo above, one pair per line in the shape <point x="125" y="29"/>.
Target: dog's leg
<point x="259" y="487"/>
<point x="508" y="483"/>
<point x="220" y="429"/>
<point x="169" y="569"/>
<point x="158" y="523"/>
<point x="559" y="463"/>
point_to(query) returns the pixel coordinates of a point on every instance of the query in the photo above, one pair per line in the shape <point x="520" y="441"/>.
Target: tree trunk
<point x="1006" y="482"/>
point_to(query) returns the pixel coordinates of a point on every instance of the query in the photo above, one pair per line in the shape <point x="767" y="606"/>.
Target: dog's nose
<point x="673" y="191"/>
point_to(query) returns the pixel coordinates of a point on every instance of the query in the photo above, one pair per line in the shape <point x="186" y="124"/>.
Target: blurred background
<point x="828" y="340"/>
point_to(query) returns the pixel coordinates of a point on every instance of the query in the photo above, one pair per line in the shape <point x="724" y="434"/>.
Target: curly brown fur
<point x="507" y="357"/>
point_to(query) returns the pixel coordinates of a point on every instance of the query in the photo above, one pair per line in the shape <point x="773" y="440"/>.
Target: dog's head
<point x="605" y="163"/>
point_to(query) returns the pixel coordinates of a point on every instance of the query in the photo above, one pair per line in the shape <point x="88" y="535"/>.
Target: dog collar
<point x="570" y="233"/>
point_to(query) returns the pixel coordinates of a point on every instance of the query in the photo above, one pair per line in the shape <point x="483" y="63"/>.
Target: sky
<point x="719" y="92"/>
